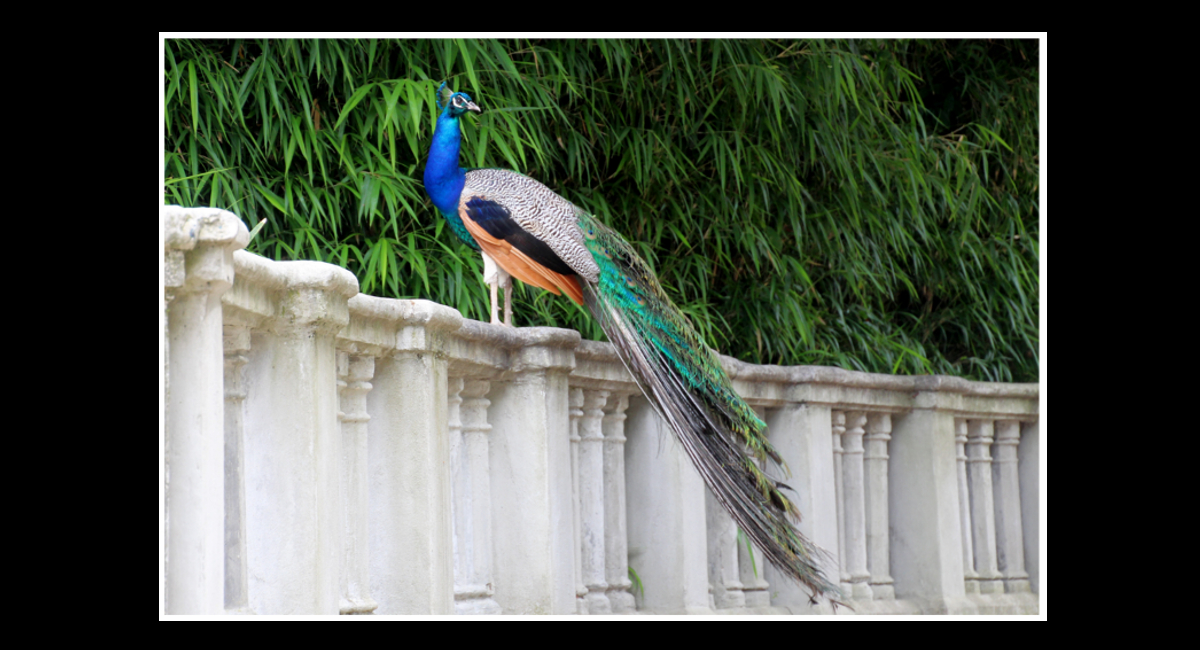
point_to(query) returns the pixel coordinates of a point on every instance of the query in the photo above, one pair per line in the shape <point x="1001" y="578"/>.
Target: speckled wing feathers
<point x="539" y="211"/>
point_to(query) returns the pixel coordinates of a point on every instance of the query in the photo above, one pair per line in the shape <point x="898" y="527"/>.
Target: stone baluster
<point x="839" y="430"/>
<point x="460" y="496"/>
<point x="1029" y="467"/>
<point x="591" y="499"/>
<point x="473" y="591"/>
<point x="856" y="517"/>
<point x="198" y="247"/>
<point x="875" y="459"/>
<point x="237" y="348"/>
<point x="723" y="571"/>
<point x="1010" y="539"/>
<point x="616" y="546"/>
<point x="576" y="405"/>
<point x="751" y="573"/>
<point x="354" y="377"/>
<point x="476" y="431"/>
<point x="970" y="578"/>
<point x="983" y="517"/>
<point x="751" y="565"/>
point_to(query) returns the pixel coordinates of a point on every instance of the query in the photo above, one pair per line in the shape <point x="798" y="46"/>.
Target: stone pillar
<point x="839" y="482"/>
<point x="1010" y="538"/>
<point x="591" y="500"/>
<point x="751" y="570"/>
<point x="473" y="581"/>
<point x="411" y="548"/>
<point x="926" y="550"/>
<point x="970" y="578"/>
<point x="355" y="374"/>
<point x="665" y="495"/>
<point x="293" y="446"/>
<point x="983" y="516"/>
<point x="460" y="495"/>
<point x="199" y="245"/>
<point x="576" y="411"/>
<point x="875" y="458"/>
<point x="1029" y="467"/>
<point x="237" y="348"/>
<point x="803" y="436"/>
<point x="723" y="572"/>
<point x="616" y="546"/>
<point x="854" y="488"/>
<point x="531" y="477"/>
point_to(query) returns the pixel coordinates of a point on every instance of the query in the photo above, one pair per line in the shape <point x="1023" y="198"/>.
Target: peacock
<point x="525" y="230"/>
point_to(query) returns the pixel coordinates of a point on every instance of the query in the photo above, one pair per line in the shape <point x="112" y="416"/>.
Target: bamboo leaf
<point x="193" y="94"/>
<point x="806" y="201"/>
<point x="351" y="103"/>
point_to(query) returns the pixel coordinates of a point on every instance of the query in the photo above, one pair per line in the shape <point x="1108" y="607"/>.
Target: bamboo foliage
<point x="864" y="204"/>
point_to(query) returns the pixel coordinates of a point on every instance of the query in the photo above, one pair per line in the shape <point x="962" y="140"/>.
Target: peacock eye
<point x="457" y="101"/>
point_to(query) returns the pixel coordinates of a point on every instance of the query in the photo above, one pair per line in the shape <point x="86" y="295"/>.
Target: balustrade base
<point x="1027" y="603"/>
<point x="763" y="610"/>
<point x="622" y="602"/>
<point x="1017" y="586"/>
<point x="883" y="591"/>
<point x="476" y="606"/>
<point x="597" y="603"/>
<point x="970" y="604"/>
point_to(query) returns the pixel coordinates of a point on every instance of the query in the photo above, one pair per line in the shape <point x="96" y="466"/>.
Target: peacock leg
<point x="494" y="276"/>
<point x="495" y="321"/>
<point x="507" y="299"/>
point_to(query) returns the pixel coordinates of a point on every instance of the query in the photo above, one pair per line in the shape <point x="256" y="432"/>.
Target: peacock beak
<point x="471" y="106"/>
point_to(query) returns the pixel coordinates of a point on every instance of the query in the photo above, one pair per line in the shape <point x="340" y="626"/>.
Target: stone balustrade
<point x="330" y="452"/>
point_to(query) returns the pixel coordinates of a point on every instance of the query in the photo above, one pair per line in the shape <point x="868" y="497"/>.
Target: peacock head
<point x="458" y="103"/>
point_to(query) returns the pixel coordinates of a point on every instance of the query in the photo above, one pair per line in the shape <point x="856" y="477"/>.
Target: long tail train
<point x="683" y="379"/>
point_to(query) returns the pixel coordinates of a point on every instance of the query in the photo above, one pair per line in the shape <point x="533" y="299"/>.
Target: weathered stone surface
<point x="391" y="456"/>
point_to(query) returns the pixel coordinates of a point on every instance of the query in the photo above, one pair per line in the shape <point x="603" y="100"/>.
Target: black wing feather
<point x="498" y="222"/>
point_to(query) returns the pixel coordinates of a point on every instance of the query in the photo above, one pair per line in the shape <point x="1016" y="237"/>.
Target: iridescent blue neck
<point x="444" y="179"/>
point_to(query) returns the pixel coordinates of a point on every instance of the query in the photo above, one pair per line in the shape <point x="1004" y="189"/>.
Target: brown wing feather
<point x="520" y="266"/>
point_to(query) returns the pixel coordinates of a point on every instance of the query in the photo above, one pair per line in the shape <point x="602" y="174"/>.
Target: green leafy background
<point x="867" y="204"/>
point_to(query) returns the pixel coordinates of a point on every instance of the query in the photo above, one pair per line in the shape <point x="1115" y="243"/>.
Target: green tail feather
<point x="684" y="380"/>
